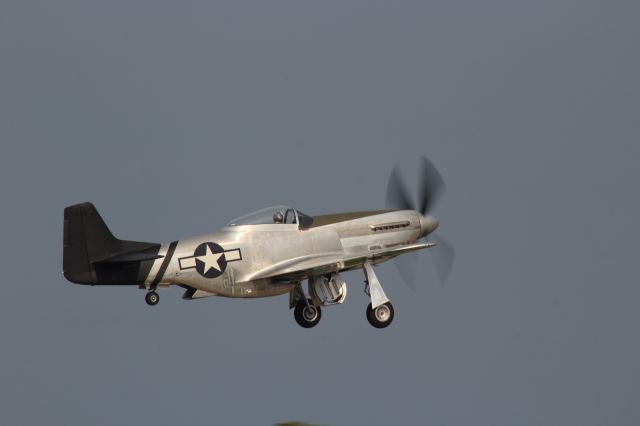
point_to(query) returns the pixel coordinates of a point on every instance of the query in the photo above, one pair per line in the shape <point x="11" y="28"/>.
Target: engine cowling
<point x="329" y="291"/>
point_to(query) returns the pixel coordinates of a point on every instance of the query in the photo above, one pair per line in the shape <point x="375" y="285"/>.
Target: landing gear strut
<point x="380" y="310"/>
<point x="152" y="298"/>
<point x="306" y="312"/>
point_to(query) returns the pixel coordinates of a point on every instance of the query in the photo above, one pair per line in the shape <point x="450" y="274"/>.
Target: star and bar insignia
<point x="210" y="259"/>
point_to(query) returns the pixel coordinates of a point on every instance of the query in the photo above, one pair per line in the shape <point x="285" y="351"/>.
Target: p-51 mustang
<point x="266" y="253"/>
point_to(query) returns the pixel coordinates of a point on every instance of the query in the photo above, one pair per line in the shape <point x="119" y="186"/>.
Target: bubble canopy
<point x="266" y="217"/>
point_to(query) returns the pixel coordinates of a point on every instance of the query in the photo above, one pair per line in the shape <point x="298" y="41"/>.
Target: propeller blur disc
<point x="398" y="195"/>
<point x="430" y="185"/>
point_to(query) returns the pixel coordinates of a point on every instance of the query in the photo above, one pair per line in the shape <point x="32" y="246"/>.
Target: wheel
<point x="307" y="317"/>
<point x="152" y="298"/>
<point x="381" y="316"/>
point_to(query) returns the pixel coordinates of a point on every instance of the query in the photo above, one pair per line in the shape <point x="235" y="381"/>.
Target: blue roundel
<point x="210" y="260"/>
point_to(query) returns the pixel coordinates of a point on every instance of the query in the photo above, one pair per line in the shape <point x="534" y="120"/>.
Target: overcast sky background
<point x="175" y="117"/>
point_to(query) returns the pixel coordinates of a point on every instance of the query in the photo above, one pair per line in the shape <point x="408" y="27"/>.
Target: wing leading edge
<point x="302" y="267"/>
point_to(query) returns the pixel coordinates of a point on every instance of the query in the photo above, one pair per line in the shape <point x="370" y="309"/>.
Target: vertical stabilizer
<point x="92" y="255"/>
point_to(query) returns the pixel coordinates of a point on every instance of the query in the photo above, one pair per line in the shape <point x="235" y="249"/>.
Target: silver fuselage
<point x="258" y="256"/>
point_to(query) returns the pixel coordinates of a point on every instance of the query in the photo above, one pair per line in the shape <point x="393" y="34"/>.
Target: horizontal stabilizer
<point x="136" y="256"/>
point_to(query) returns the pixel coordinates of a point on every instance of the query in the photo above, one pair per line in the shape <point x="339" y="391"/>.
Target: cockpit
<point x="276" y="215"/>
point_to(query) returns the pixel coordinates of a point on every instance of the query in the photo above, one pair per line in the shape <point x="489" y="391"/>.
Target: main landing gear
<point x="306" y="310"/>
<point x="152" y="298"/>
<point x="380" y="310"/>
<point x="331" y="290"/>
<point x="381" y="316"/>
<point x="307" y="315"/>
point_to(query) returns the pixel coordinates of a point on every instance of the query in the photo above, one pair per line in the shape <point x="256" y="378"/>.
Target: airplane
<point x="270" y="252"/>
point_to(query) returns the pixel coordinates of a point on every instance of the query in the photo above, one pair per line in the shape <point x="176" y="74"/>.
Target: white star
<point x="210" y="260"/>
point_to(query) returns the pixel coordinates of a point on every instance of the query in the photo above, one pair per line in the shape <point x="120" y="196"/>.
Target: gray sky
<point x="174" y="117"/>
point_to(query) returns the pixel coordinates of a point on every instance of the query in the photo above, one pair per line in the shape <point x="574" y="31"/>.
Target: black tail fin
<point x="92" y="255"/>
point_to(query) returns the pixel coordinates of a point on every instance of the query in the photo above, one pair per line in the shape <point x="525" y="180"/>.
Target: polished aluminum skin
<point x="255" y="257"/>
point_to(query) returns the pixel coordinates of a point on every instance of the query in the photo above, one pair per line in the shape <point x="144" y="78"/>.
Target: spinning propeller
<point x="430" y="187"/>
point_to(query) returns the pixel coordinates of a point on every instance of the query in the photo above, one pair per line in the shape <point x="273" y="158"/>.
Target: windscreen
<point x="260" y="217"/>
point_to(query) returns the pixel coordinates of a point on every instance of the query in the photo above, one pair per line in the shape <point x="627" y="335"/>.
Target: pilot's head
<point x="278" y="217"/>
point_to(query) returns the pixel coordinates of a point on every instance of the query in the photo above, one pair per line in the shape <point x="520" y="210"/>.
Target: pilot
<point x="278" y="217"/>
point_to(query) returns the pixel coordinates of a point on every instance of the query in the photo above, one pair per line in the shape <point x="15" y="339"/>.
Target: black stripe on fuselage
<point x="164" y="265"/>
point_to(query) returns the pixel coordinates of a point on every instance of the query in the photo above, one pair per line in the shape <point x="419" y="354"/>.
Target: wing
<point x="302" y="267"/>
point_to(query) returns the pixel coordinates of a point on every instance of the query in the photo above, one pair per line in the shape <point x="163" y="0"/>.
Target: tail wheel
<point x="152" y="298"/>
<point x="307" y="316"/>
<point x="381" y="316"/>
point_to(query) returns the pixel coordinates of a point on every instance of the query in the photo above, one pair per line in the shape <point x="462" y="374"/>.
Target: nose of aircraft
<point x="428" y="224"/>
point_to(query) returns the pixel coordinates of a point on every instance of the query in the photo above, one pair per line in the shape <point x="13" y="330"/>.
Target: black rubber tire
<point x="306" y="321"/>
<point x="374" y="321"/>
<point x="152" y="298"/>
